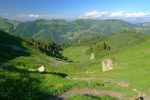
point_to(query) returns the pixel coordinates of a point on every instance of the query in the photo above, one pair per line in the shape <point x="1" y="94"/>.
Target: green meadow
<point x="69" y="72"/>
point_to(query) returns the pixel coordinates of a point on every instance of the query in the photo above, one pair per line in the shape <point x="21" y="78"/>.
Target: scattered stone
<point x="41" y="69"/>
<point x="31" y="70"/>
<point x="108" y="64"/>
<point x="92" y="56"/>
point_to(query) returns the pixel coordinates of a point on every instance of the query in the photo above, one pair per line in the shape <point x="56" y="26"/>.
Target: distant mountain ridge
<point x="8" y="25"/>
<point x="61" y="31"/>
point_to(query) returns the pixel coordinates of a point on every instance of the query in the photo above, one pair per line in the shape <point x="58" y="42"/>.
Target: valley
<point x="65" y="50"/>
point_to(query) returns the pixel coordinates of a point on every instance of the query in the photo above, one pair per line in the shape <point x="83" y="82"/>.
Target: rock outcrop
<point x="108" y="64"/>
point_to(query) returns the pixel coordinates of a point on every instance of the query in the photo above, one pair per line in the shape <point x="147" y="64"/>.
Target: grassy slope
<point x="76" y="54"/>
<point x="82" y="66"/>
<point x="125" y="39"/>
<point x="132" y="66"/>
<point x="133" y="61"/>
<point x="8" y="25"/>
<point x="16" y="81"/>
<point x="5" y="25"/>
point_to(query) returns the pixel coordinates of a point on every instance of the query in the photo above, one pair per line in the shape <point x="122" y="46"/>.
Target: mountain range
<point x="62" y="31"/>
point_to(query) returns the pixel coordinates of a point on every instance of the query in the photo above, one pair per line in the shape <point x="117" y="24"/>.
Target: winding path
<point x="93" y="92"/>
<point x="89" y="79"/>
<point x="88" y="91"/>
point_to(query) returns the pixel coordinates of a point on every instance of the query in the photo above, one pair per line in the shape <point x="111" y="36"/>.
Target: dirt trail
<point x="93" y="92"/>
<point x="110" y="93"/>
<point x="87" y="91"/>
<point x="89" y="79"/>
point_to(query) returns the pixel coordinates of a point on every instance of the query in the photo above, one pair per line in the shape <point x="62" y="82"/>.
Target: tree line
<point x="47" y="47"/>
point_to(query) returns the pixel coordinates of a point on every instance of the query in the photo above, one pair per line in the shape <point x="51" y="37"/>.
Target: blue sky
<point x="73" y="9"/>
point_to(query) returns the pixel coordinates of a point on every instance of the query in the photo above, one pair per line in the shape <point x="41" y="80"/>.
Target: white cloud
<point x="94" y="14"/>
<point x="119" y="14"/>
<point x="35" y="16"/>
<point x="38" y="16"/>
<point x="138" y="14"/>
<point x="127" y="16"/>
<point x="29" y="16"/>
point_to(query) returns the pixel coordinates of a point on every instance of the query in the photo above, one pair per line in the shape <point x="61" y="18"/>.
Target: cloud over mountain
<point x="118" y="14"/>
<point x="29" y="16"/>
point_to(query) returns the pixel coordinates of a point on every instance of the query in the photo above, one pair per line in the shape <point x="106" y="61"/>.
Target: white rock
<point x="41" y="69"/>
<point x="108" y="64"/>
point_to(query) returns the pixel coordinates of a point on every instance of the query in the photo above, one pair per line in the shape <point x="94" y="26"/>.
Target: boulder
<point x="108" y="64"/>
<point x="41" y="69"/>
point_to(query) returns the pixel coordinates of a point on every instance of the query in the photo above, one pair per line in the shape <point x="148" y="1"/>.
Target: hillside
<point x="111" y="26"/>
<point x="8" y="25"/>
<point x="132" y="68"/>
<point x="147" y="24"/>
<point x="44" y="29"/>
<point x="16" y="57"/>
<point x="125" y="39"/>
<point x="71" y="70"/>
<point x="118" y="40"/>
<point x="61" y="31"/>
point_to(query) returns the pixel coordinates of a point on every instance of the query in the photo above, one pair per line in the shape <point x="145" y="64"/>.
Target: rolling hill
<point x="78" y="73"/>
<point x="132" y="67"/>
<point x="61" y="31"/>
<point x="8" y="25"/>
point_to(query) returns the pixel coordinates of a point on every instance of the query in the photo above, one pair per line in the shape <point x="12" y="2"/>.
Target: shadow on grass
<point x="8" y="41"/>
<point x="17" y="84"/>
<point x="57" y="54"/>
<point x="17" y="70"/>
<point x="63" y="75"/>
